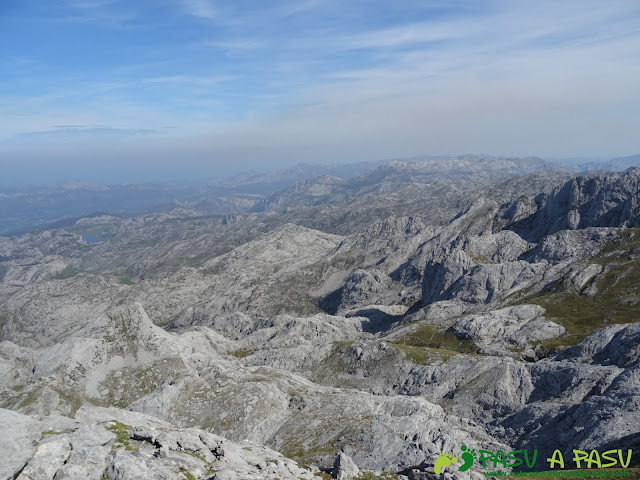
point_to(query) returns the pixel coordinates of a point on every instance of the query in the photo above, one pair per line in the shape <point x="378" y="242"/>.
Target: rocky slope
<point x="511" y="326"/>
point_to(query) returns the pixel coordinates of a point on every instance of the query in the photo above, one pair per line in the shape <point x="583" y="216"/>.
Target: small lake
<point x="90" y="239"/>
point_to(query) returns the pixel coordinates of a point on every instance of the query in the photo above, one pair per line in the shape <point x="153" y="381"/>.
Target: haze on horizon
<point x="109" y="91"/>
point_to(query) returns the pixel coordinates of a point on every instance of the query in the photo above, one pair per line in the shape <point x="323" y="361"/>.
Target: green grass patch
<point x="195" y="455"/>
<point x="125" y="280"/>
<point x="187" y="474"/>
<point x="98" y="231"/>
<point x="425" y="355"/>
<point x="3" y="321"/>
<point x="628" y="242"/>
<point x="417" y="355"/>
<point x="434" y="337"/>
<point x="481" y="259"/>
<point x="50" y="433"/>
<point x="29" y="398"/>
<point x="309" y="453"/>
<point x="69" y="398"/>
<point x="373" y="476"/>
<point x="617" y="299"/>
<point x="240" y="353"/>
<point x="132" y="383"/>
<point x="123" y="433"/>
<point x="430" y="342"/>
<point x="626" y="473"/>
<point x="3" y="270"/>
<point x="323" y="475"/>
<point x="68" y="272"/>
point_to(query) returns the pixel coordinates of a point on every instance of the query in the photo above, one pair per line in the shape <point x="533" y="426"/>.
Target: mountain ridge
<point x="389" y="344"/>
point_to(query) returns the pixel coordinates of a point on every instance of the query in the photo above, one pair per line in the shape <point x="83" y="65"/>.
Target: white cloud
<point x="511" y="77"/>
<point x="189" y="79"/>
<point x="200" y="8"/>
<point x="237" y="44"/>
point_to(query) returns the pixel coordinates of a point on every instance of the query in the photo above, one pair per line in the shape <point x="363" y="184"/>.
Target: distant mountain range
<point x="23" y="208"/>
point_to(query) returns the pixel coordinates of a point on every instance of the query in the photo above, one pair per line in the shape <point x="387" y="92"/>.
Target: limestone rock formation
<point x="185" y="345"/>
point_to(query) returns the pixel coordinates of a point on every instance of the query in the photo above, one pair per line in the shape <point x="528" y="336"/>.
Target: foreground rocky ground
<point x="186" y="347"/>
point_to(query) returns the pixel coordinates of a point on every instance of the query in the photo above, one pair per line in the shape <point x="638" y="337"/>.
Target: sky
<point x="115" y="91"/>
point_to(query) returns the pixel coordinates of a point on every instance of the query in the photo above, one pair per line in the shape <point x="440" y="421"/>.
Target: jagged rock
<point x="152" y="449"/>
<point x="225" y="475"/>
<point x="344" y="468"/>
<point x="502" y="330"/>
<point x="19" y="434"/>
<point x="439" y="312"/>
<point x="489" y="283"/>
<point x="569" y="245"/>
<point x="497" y="247"/>
<point x="366" y="288"/>
<point x="614" y="345"/>
<point x="601" y="200"/>
<point x="442" y="272"/>
<point x="223" y="331"/>
<point x="303" y="193"/>
<point x="296" y="344"/>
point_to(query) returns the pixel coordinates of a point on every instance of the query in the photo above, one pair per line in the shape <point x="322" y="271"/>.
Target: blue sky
<point x="110" y="90"/>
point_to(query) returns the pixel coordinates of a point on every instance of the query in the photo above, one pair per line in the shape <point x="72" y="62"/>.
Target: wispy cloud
<point x="327" y="78"/>
<point x="200" y="8"/>
<point x="74" y="132"/>
<point x="189" y="79"/>
<point x="236" y="44"/>
<point x="299" y="6"/>
<point x="90" y="4"/>
<point x="408" y="34"/>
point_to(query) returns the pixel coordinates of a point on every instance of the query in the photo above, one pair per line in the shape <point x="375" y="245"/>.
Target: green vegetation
<point x="323" y="475"/>
<point x="307" y="453"/>
<point x="481" y="259"/>
<point x="417" y="355"/>
<point x="132" y="383"/>
<point x="372" y="476"/>
<point x="3" y="270"/>
<point x="125" y="280"/>
<point x="435" y="337"/>
<point x="187" y="474"/>
<point x="68" y="272"/>
<point x="215" y="269"/>
<point x="194" y="455"/>
<point x="617" y="299"/>
<point x="241" y="352"/>
<point x="430" y="342"/>
<point x="3" y="321"/>
<point x="98" y="231"/>
<point x="123" y="433"/>
<point x="70" y="398"/>
<point x="30" y="398"/>
<point x="626" y="473"/>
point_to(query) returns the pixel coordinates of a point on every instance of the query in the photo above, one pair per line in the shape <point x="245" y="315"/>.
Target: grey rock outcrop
<point x="499" y="331"/>
<point x="601" y="200"/>
<point x="115" y="444"/>
<point x="211" y="343"/>
<point x="344" y="468"/>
